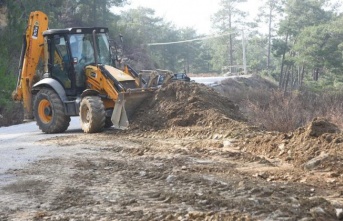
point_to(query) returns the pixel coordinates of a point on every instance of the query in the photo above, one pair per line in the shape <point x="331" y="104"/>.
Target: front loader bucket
<point x="126" y="105"/>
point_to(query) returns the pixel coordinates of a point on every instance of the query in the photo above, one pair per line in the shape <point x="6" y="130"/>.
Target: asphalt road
<point x="208" y="80"/>
<point x="19" y="146"/>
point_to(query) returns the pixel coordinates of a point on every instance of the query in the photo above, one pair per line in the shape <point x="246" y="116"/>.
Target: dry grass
<point x="275" y="111"/>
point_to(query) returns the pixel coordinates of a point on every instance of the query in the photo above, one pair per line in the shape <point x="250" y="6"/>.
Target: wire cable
<point x="191" y="40"/>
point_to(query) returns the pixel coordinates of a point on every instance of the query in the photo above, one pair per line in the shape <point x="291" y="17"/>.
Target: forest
<point x="297" y="43"/>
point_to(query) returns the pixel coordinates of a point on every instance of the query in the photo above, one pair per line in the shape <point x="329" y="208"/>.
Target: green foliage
<point x="228" y="21"/>
<point x="141" y="26"/>
<point x="220" y="56"/>
<point x="308" y="44"/>
<point x="7" y="63"/>
<point x="316" y="42"/>
<point x="7" y="84"/>
<point x="301" y="14"/>
<point x="257" y="55"/>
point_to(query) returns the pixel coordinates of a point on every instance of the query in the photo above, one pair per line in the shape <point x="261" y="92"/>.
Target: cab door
<point x="61" y="67"/>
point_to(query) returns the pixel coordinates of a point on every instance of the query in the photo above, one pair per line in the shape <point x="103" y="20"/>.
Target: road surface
<point x="19" y="143"/>
<point x="208" y="80"/>
<point x="19" y="146"/>
<point x="181" y="173"/>
<point x="215" y="81"/>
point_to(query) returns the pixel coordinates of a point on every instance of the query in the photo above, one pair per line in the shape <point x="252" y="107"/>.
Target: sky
<point x="188" y="13"/>
<point x="192" y="13"/>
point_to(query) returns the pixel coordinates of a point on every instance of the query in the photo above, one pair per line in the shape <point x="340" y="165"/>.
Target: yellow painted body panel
<point x="118" y="74"/>
<point x="37" y="24"/>
<point x="120" y="90"/>
<point x="126" y="100"/>
<point x="95" y="80"/>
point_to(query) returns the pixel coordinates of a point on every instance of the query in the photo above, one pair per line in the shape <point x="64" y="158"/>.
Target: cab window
<point x="61" y="61"/>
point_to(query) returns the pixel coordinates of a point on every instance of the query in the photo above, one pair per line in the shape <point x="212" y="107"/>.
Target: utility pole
<point x="244" y="55"/>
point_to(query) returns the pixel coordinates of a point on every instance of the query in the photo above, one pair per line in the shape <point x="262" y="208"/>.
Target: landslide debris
<point x="185" y="104"/>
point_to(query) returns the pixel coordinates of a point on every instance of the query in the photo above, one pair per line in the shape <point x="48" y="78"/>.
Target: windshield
<point x="82" y="48"/>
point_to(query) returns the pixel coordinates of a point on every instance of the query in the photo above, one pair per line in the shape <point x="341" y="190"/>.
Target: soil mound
<point x="317" y="146"/>
<point x="185" y="104"/>
<point x="242" y="84"/>
<point x="321" y="126"/>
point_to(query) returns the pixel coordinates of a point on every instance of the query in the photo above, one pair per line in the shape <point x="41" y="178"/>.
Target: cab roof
<point x="75" y="31"/>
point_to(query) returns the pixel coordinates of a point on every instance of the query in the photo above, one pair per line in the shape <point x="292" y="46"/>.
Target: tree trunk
<point x="230" y="42"/>
<point x="286" y="81"/>
<point x="283" y="79"/>
<point x="231" y="53"/>
<point x="283" y="64"/>
<point x="104" y="12"/>
<point x="269" y="36"/>
<point x="292" y="80"/>
<point x="295" y="77"/>
<point x="94" y="13"/>
<point x="302" y="76"/>
<point x="316" y="74"/>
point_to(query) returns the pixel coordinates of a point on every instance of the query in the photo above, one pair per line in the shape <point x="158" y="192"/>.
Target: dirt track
<point x="206" y="169"/>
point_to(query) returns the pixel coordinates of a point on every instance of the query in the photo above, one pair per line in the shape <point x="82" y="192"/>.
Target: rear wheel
<point x="48" y="111"/>
<point x="92" y="114"/>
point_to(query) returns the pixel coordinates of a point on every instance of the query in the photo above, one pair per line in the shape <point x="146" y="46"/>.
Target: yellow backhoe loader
<point x="80" y="78"/>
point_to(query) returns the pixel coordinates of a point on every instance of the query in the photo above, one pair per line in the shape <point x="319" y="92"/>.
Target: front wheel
<point x="92" y="114"/>
<point x="48" y="111"/>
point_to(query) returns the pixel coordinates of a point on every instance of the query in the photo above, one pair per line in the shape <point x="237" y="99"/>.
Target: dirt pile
<point x="243" y="84"/>
<point x="320" y="126"/>
<point x="319" y="146"/>
<point x="185" y="104"/>
<point x="253" y="81"/>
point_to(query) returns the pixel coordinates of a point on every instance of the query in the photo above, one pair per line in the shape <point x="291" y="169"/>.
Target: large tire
<point x="48" y="110"/>
<point x="92" y="114"/>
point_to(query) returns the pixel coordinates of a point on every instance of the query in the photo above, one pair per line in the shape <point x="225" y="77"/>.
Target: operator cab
<point x="71" y="50"/>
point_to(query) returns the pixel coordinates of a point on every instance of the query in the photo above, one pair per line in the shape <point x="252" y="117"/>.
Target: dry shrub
<point x="11" y="114"/>
<point x="275" y="111"/>
<point x="332" y="108"/>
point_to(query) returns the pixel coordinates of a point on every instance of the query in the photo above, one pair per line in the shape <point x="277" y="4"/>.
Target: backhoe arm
<point x="32" y="51"/>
